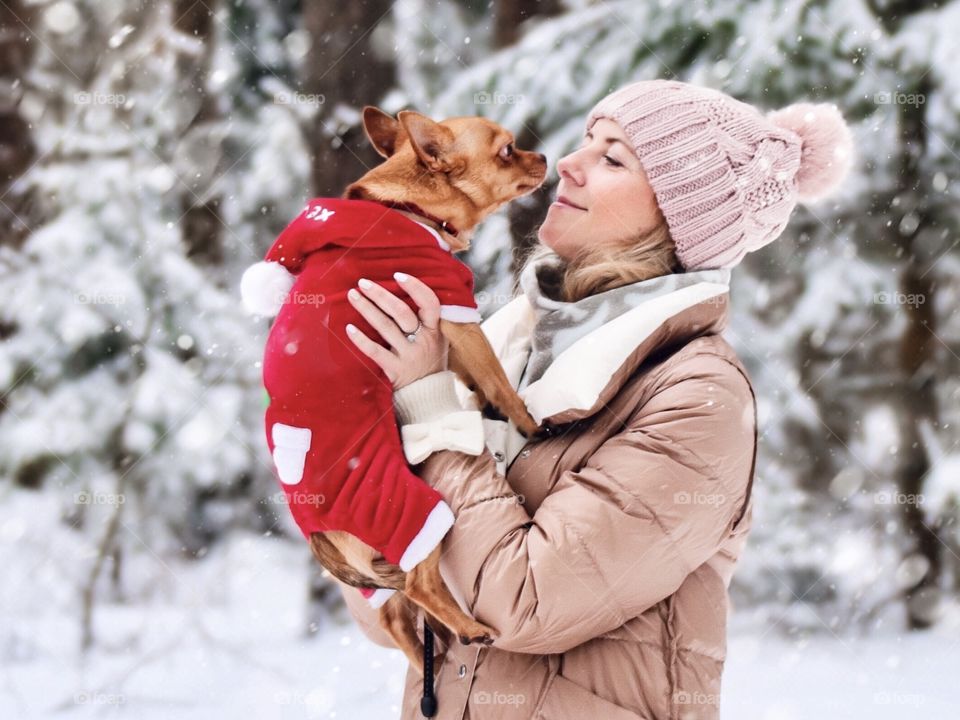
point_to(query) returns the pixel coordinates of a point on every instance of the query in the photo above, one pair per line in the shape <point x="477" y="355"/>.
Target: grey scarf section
<point x="559" y="325"/>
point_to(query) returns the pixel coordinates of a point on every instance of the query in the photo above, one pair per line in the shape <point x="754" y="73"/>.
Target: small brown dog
<point x="449" y="175"/>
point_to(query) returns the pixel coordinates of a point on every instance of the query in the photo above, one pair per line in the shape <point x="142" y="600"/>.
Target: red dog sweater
<point x="330" y="424"/>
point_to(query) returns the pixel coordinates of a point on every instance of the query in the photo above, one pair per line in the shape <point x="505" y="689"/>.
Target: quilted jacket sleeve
<point x="617" y="536"/>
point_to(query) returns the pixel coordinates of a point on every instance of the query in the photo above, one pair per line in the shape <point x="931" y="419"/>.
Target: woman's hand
<point x="406" y="361"/>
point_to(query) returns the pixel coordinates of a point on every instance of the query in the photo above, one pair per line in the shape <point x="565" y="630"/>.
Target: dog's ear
<point x="384" y="132"/>
<point x="431" y="141"/>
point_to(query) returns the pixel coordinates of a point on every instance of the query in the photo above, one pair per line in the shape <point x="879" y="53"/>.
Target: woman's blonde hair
<point x="597" y="268"/>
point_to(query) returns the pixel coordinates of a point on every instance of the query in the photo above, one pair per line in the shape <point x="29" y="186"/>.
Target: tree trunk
<point x="917" y="396"/>
<point x="527" y="213"/>
<point x="201" y="225"/>
<point x="508" y="15"/>
<point x="17" y="149"/>
<point x="343" y="69"/>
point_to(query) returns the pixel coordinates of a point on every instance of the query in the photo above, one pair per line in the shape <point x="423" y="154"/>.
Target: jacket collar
<point x="587" y="370"/>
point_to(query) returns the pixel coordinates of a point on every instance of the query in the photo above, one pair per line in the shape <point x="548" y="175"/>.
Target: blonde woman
<point x="602" y="555"/>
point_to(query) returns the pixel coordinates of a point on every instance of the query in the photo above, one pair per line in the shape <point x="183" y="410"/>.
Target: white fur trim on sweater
<point x="438" y="522"/>
<point x="453" y="313"/>
<point x="440" y="241"/>
<point x="264" y="288"/>
<point x="460" y="314"/>
<point x="380" y="596"/>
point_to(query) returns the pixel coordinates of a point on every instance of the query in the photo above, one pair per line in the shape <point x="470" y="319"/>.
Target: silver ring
<point x="412" y="336"/>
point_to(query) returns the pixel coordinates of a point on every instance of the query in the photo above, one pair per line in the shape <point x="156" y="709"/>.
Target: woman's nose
<point x="569" y="168"/>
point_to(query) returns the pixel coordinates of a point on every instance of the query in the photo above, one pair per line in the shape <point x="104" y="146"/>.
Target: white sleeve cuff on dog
<point x="460" y="314"/>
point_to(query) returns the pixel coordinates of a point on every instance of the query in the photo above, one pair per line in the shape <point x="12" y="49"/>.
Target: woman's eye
<point x="507" y="151"/>
<point x="612" y="162"/>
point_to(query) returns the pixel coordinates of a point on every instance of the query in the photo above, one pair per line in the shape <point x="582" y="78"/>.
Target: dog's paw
<point x="484" y="639"/>
<point x="491" y="412"/>
<point x="546" y="430"/>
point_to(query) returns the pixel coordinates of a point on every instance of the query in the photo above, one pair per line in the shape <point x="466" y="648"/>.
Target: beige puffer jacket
<point x="602" y="559"/>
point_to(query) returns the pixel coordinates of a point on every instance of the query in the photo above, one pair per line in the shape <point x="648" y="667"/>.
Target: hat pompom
<point x="827" y="146"/>
<point x="264" y="287"/>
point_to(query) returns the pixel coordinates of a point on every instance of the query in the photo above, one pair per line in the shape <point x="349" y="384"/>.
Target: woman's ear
<point x="431" y="141"/>
<point x="384" y="132"/>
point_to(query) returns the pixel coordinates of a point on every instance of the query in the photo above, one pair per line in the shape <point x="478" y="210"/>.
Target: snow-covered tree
<point x="129" y="374"/>
<point x="165" y="144"/>
<point x="846" y="323"/>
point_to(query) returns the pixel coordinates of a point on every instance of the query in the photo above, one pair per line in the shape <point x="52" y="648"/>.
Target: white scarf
<point x="563" y="356"/>
<point x="558" y="325"/>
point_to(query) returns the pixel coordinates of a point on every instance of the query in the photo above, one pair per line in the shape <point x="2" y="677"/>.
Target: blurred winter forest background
<point x="150" y="151"/>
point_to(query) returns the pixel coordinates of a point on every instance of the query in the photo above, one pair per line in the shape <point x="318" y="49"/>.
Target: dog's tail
<point x="327" y="553"/>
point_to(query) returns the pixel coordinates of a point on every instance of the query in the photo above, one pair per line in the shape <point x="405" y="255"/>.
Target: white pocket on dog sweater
<point x="290" y="446"/>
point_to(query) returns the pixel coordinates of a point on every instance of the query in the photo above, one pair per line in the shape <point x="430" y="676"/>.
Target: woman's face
<point x="603" y="196"/>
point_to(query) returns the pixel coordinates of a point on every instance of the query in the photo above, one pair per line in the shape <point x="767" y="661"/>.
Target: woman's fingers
<point x="375" y="351"/>
<point x="392" y="317"/>
<point x="425" y="298"/>
<point x="382" y="323"/>
<point x="389" y="303"/>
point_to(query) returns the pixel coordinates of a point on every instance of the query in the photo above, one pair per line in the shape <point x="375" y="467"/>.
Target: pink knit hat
<point x="726" y="176"/>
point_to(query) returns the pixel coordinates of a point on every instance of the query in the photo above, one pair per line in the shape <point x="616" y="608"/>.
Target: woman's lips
<point x="563" y="202"/>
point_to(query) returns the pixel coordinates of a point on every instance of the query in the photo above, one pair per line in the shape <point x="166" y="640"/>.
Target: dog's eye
<point x="507" y="151"/>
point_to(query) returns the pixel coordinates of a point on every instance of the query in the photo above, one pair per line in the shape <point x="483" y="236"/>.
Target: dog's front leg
<point x="471" y="354"/>
<point x="426" y="587"/>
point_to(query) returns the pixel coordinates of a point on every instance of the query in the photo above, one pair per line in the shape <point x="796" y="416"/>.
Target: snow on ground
<point x="885" y="678"/>
<point x="228" y="641"/>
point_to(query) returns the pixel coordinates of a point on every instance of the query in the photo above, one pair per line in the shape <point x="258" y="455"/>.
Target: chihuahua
<point x="439" y="180"/>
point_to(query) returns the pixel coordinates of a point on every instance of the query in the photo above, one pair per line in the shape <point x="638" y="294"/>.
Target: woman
<point x="602" y="555"/>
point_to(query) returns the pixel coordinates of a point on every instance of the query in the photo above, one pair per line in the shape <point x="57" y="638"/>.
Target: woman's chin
<point x="549" y="232"/>
<point x="553" y="234"/>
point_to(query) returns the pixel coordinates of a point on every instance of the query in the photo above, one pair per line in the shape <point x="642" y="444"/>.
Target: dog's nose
<point x="543" y="158"/>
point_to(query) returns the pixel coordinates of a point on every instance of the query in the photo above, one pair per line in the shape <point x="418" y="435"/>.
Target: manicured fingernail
<point x="351" y="328"/>
<point x="353" y="294"/>
<point x="401" y="277"/>
<point x="365" y="284"/>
